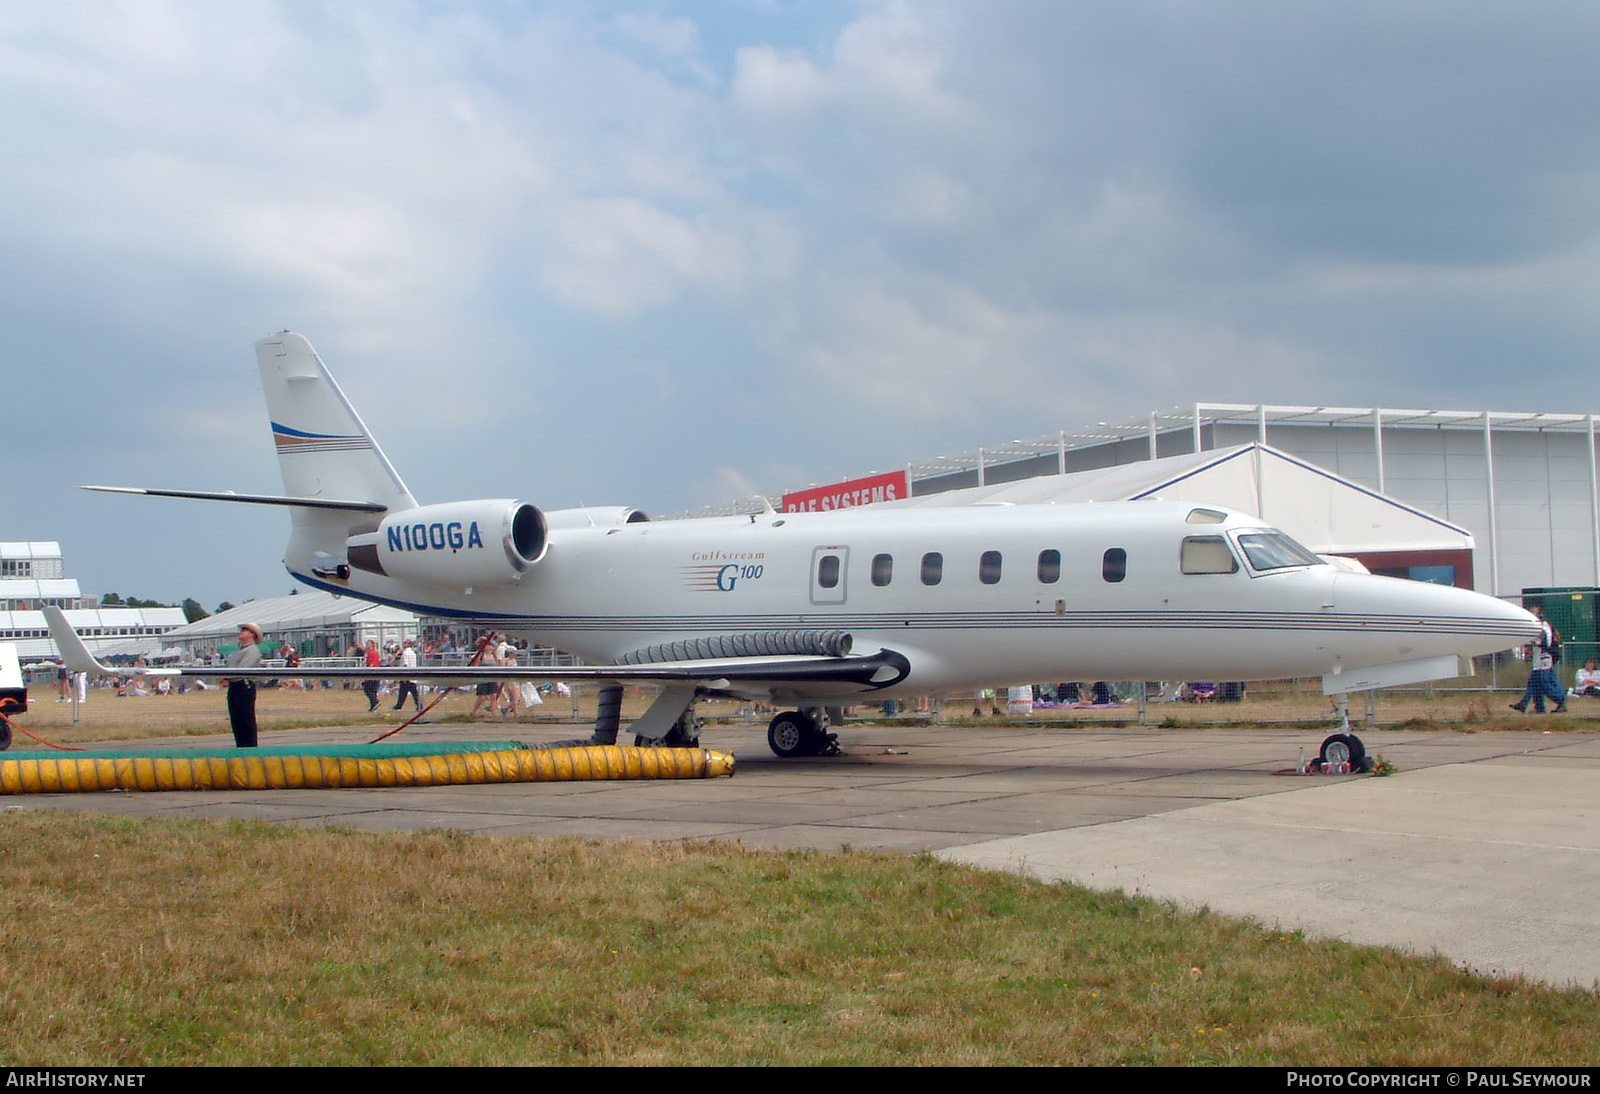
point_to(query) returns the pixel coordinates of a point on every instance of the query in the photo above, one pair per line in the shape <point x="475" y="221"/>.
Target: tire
<point x="673" y="739"/>
<point x="1342" y="748"/>
<point x="1359" y="760"/>
<point x="5" y="734"/>
<point x="792" y="734"/>
<point x="681" y="736"/>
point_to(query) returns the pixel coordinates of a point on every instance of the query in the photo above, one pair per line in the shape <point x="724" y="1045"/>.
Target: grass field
<point x="160" y="942"/>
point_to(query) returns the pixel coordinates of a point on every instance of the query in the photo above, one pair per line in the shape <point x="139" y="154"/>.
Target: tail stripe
<point x="298" y="440"/>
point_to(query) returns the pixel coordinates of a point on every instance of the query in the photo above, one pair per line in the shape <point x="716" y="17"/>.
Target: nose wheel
<point x="1344" y="748"/>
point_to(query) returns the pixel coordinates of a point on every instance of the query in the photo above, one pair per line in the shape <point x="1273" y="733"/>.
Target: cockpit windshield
<point x="1274" y="551"/>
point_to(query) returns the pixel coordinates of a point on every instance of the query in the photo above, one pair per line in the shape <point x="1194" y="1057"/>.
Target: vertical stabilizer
<point x="324" y="449"/>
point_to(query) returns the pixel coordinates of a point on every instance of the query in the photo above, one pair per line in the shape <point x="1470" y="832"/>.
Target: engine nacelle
<point x="594" y="516"/>
<point x="458" y="544"/>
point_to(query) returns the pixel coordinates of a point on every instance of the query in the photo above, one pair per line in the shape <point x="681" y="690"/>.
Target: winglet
<point x="73" y="651"/>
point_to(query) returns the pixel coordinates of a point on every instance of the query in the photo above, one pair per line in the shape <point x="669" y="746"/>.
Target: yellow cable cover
<point x="64" y="774"/>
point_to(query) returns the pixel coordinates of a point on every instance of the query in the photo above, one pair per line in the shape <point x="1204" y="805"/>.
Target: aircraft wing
<point x="814" y="676"/>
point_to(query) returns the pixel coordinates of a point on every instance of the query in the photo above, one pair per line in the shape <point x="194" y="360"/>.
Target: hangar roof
<point x="1258" y="416"/>
<point x="1327" y="513"/>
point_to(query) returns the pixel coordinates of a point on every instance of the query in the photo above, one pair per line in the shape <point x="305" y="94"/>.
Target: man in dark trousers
<point x="242" y="693"/>
<point x="407" y="658"/>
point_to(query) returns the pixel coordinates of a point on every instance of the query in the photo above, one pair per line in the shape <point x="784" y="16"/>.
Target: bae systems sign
<point x="845" y="495"/>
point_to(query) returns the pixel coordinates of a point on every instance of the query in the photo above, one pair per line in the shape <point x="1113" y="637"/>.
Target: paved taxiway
<point x="1484" y="848"/>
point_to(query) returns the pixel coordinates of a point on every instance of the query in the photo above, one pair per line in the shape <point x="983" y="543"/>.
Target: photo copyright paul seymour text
<point x="1464" y="1078"/>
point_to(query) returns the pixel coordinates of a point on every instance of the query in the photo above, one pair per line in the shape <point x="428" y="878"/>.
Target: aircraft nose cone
<point x="1467" y="622"/>
<point x="1508" y="620"/>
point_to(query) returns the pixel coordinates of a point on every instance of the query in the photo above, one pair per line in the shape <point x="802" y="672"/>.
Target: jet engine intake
<point x="455" y="544"/>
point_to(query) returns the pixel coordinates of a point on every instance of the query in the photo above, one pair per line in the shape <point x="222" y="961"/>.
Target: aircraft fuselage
<point x="970" y="596"/>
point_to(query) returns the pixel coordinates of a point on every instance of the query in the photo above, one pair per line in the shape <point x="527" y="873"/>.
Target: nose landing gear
<point x="1343" y="751"/>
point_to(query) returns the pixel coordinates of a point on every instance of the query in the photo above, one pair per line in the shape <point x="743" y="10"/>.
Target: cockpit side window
<point x="1207" y="555"/>
<point x="1274" y="551"/>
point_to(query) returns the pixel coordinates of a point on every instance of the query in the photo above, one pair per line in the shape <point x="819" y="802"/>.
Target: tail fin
<point x="324" y="449"/>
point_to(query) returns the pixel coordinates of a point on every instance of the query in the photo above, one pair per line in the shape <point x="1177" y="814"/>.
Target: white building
<point x="32" y="575"/>
<point x="1525" y="485"/>
<point x="316" y="624"/>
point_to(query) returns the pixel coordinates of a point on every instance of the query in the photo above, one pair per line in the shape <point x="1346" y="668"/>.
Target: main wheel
<point x="685" y="733"/>
<point x="792" y="734"/>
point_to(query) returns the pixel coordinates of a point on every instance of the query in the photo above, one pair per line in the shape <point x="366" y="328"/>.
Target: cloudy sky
<point x="673" y="254"/>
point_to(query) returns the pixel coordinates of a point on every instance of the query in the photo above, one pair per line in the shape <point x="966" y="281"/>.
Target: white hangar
<point x="1523" y="485"/>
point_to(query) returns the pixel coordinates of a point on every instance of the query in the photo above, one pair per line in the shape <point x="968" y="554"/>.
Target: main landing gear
<point x="669" y="723"/>
<point x="802" y="733"/>
<point x="685" y="733"/>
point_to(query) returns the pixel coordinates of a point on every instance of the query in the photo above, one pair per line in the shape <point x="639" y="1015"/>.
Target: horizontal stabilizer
<point x="73" y="651"/>
<point x="248" y="499"/>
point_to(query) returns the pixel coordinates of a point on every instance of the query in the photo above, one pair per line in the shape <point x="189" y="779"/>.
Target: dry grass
<point x="156" y="942"/>
<point x="108" y="717"/>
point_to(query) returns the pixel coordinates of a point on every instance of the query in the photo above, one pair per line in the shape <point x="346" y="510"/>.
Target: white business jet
<point x="815" y="610"/>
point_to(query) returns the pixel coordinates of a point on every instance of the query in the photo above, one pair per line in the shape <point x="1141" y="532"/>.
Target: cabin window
<point x="1207" y="555"/>
<point x="932" y="568"/>
<point x="1114" y="564"/>
<point x="989" y="567"/>
<point x="1275" y="551"/>
<point x="828" y="572"/>
<point x="882" y="569"/>
<point x="1049" y="566"/>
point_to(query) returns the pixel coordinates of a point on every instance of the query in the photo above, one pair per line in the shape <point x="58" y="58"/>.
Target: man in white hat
<point x="242" y="693"/>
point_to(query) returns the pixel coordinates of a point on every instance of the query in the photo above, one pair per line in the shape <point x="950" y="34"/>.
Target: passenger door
<point x="829" y="568"/>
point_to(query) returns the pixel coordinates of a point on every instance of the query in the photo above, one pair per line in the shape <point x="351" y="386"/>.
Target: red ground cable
<point x="437" y="699"/>
<point x="49" y="744"/>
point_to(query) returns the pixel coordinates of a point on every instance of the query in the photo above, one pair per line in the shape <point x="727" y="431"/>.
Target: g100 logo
<point x="719" y="576"/>
<point x="731" y="574"/>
